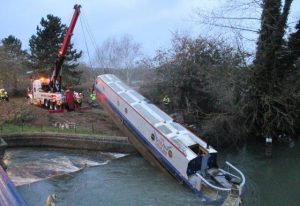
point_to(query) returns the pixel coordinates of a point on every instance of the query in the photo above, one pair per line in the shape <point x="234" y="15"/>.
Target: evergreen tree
<point x="44" y="47"/>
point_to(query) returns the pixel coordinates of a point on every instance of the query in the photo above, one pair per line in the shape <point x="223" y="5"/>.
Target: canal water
<point x="95" y="178"/>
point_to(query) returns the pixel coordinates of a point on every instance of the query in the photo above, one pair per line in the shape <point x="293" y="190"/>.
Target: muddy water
<point x="94" y="178"/>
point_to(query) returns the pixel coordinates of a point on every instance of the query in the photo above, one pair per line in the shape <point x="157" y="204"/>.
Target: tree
<point x="269" y="99"/>
<point x="13" y="48"/>
<point x="293" y="46"/>
<point x="270" y="103"/>
<point x="202" y="78"/>
<point x="12" y="72"/>
<point x="44" y="47"/>
<point x="123" y="53"/>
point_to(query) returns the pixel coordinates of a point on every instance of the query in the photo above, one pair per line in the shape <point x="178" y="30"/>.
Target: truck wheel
<point x="57" y="107"/>
<point x="51" y="105"/>
<point x="46" y="103"/>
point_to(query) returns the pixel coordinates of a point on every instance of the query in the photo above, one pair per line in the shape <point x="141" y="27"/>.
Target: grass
<point x="16" y="129"/>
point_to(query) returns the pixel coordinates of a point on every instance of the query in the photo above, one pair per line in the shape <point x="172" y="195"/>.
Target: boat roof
<point x="175" y="132"/>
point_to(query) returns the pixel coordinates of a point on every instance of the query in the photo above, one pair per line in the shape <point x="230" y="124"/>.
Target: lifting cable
<point x="85" y="27"/>
<point x="86" y="45"/>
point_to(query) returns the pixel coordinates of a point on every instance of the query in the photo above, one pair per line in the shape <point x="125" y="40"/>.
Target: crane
<point x="55" y="81"/>
<point x="48" y="92"/>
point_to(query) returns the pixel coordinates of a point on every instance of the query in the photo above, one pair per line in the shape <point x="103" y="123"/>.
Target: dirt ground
<point x="94" y="120"/>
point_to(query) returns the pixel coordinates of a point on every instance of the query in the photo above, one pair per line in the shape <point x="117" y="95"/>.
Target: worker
<point x="78" y="99"/>
<point x="93" y="96"/>
<point x="70" y="99"/>
<point x="3" y="95"/>
<point x="166" y="101"/>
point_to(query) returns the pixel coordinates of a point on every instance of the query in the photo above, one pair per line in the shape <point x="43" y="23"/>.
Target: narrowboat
<point x="167" y="144"/>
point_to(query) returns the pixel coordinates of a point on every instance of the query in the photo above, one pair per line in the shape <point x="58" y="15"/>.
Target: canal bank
<point x="70" y="141"/>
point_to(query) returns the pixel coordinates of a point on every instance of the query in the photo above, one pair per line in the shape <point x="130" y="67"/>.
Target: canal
<point x="95" y="178"/>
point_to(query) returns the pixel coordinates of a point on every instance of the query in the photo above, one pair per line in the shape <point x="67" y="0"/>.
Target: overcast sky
<point x="149" y="22"/>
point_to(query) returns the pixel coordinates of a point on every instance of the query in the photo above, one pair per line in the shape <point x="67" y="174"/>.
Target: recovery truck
<point x="47" y="91"/>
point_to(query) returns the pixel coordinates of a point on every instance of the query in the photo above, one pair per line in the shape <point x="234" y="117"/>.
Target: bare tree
<point x="123" y="53"/>
<point x="12" y="73"/>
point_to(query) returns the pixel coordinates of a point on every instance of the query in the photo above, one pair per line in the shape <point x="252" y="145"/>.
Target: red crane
<point x="55" y="81"/>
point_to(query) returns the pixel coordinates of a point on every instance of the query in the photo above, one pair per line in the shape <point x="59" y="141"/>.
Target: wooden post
<point x="268" y="146"/>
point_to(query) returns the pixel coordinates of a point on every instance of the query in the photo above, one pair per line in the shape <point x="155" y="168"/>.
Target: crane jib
<point x="55" y="81"/>
<point x="67" y="38"/>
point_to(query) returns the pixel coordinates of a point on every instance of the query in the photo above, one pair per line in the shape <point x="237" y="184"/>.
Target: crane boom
<point x="55" y="81"/>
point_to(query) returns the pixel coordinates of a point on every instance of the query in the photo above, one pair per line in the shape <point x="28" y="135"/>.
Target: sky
<point x="149" y="22"/>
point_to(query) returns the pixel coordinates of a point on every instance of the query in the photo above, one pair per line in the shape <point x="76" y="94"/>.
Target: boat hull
<point x="148" y="151"/>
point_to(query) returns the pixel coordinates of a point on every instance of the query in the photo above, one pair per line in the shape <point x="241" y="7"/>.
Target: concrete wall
<point x="9" y="195"/>
<point x="70" y="141"/>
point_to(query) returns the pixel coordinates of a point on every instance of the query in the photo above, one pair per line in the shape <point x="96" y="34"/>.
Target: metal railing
<point x="222" y="188"/>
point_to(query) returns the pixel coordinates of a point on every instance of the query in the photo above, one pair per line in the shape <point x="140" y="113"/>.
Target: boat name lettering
<point x="160" y="143"/>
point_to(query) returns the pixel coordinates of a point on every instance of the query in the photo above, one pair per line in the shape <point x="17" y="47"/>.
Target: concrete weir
<point x="70" y="141"/>
<point x="8" y="193"/>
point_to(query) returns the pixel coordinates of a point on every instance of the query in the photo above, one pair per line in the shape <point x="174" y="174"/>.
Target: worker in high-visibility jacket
<point x="3" y="95"/>
<point x="93" y="96"/>
<point x="92" y="100"/>
<point x="166" y="101"/>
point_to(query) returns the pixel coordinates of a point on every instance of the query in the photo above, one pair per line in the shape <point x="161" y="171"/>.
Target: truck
<point x="48" y="92"/>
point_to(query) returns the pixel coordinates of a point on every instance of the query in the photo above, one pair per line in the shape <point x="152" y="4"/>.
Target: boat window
<point x="137" y="95"/>
<point x="126" y="110"/>
<point x="123" y="85"/>
<point x="196" y="139"/>
<point x="115" y="87"/>
<point x="146" y="114"/>
<point x="160" y="113"/>
<point x="127" y="98"/>
<point x="114" y="78"/>
<point x="164" y="129"/>
<point x="179" y="143"/>
<point x="105" y="78"/>
<point x="192" y="136"/>
<point x="173" y="137"/>
<point x="177" y="126"/>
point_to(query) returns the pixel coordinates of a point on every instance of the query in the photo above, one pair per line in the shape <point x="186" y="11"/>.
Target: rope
<point x="90" y="34"/>
<point x="86" y="45"/>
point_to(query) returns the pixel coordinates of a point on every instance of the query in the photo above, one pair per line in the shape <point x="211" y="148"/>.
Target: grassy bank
<point x="13" y="128"/>
<point x="19" y="117"/>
